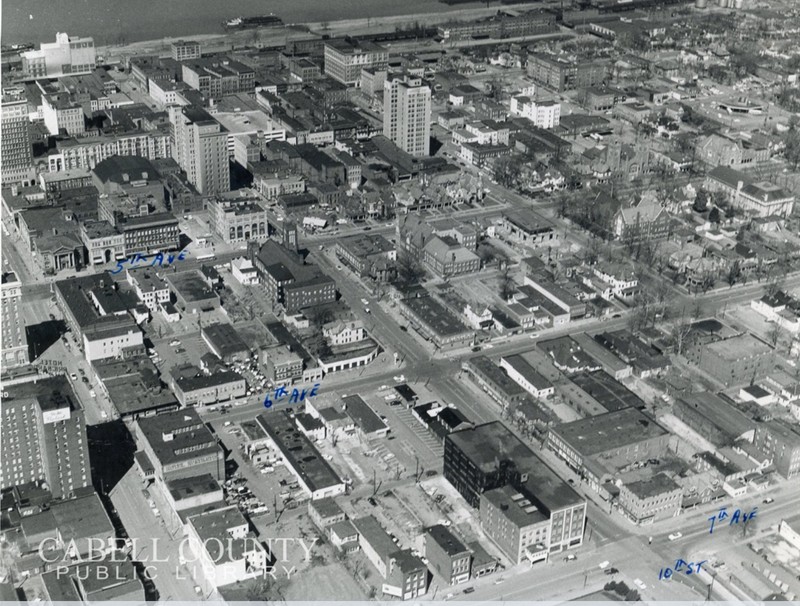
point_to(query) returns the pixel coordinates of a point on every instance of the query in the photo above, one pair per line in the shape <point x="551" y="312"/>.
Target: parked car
<point x="469" y="590"/>
<point x="675" y="536"/>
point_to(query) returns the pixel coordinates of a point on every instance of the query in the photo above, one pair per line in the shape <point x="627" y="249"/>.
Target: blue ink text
<point x="295" y="396"/>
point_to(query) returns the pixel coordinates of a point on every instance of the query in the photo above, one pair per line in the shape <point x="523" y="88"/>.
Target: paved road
<point x="156" y="547"/>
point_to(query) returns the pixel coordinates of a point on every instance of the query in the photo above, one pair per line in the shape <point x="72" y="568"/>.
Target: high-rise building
<point x="16" y="156"/>
<point x="407" y="114"/>
<point x="345" y="58"/>
<point x="200" y="147"/>
<point x="44" y="438"/>
<point x="15" y="342"/>
<point x="64" y="56"/>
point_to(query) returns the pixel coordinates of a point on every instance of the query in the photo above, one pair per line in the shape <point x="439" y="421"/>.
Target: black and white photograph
<point x="365" y="301"/>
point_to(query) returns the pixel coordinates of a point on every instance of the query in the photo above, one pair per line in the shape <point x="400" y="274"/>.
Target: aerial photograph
<point x="356" y="301"/>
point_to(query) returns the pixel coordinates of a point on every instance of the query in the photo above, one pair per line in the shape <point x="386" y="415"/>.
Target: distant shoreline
<point x="269" y="36"/>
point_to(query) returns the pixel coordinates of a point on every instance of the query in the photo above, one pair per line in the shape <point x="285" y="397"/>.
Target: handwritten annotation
<point x="691" y="568"/>
<point x="738" y="516"/>
<point x="294" y="397"/>
<point x="158" y="259"/>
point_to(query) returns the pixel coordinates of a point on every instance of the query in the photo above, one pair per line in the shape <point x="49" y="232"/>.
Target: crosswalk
<point x="427" y="438"/>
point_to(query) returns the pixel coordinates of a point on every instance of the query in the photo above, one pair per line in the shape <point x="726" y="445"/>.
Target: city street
<point x="156" y="548"/>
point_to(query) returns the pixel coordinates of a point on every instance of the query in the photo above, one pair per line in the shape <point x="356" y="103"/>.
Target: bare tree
<point x="409" y="268"/>
<point x="774" y="334"/>
<point x="506" y="283"/>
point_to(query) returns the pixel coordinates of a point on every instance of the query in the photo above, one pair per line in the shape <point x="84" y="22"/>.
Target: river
<point x="125" y="21"/>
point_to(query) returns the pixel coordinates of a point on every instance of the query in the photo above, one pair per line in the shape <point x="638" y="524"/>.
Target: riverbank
<point x="272" y="36"/>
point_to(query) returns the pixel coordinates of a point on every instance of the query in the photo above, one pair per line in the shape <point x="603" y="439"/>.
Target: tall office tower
<point x="60" y="58"/>
<point x="16" y="153"/>
<point x="200" y="147"/>
<point x="407" y="113"/>
<point x="15" y="341"/>
<point x="44" y="439"/>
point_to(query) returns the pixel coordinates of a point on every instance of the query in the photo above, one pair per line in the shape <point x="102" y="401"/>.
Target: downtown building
<point x="525" y="508"/>
<point x="407" y="114"/>
<point x="99" y="315"/>
<point x="65" y="56"/>
<point x="346" y="57"/>
<point x="177" y="445"/>
<point x="88" y="152"/>
<point x="15" y="341"/>
<point x="16" y="151"/>
<point x="200" y="147"/>
<point x="44" y="438"/>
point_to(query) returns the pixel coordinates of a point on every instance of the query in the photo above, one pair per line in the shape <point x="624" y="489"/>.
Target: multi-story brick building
<point x="490" y="456"/>
<point x="200" y="147"/>
<point x="346" y="57"/>
<point x="515" y="524"/>
<point x="646" y="222"/>
<point x="760" y="198"/>
<point x="16" y="150"/>
<point x="87" y="152"/>
<point x="15" y="341"/>
<point x="62" y="114"/>
<point x="104" y="243"/>
<point x="782" y="444"/>
<point x="449" y="557"/>
<point x="152" y="233"/>
<point x="737" y="360"/>
<point x="178" y="445"/>
<point x="561" y="75"/>
<point x="238" y="219"/>
<point x="651" y="500"/>
<point x="404" y="575"/>
<point x="44" y="438"/>
<point x="288" y="279"/>
<point x="183" y="50"/>
<point x="217" y="76"/>
<point x="620" y="437"/>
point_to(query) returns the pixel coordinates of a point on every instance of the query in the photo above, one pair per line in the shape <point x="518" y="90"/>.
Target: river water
<point x="125" y="21"/>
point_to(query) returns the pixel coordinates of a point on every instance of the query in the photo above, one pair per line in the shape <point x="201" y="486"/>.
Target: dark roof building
<point x="179" y="445"/>
<point x="490" y="456"/>
<point x="313" y="473"/>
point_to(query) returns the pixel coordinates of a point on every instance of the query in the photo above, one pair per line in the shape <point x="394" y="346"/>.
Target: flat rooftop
<point x="489" y="443"/>
<point x="363" y="416"/>
<point x="609" y="431"/>
<point x="497" y="375"/>
<point x="178" y="436"/>
<point x="225" y="339"/>
<point x="298" y="450"/>
<point x="604" y="388"/>
<point x="246" y="122"/>
<point x="528" y="372"/>
<point x="436" y="316"/>
<point x="449" y="542"/>
<point x="658" y="484"/>
<point x="519" y="510"/>
<point x="186" y="488"/>
<point x="191" y="286"/>
<point x="719" y="412"/>
<point x="740" y="346"/>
